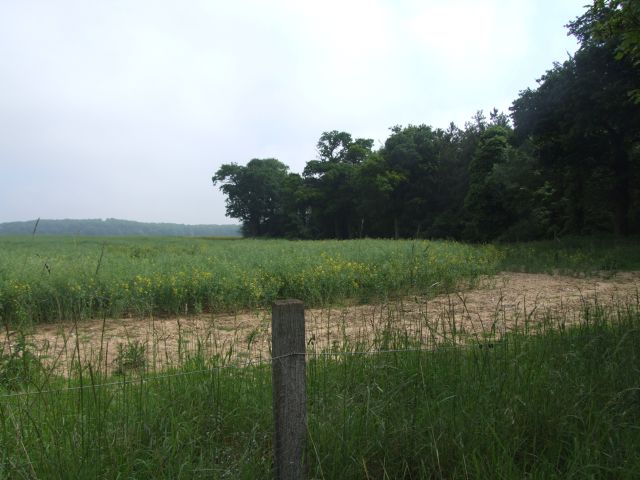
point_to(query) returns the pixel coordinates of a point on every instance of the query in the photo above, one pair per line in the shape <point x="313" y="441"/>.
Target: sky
<point x="126" y="108"/>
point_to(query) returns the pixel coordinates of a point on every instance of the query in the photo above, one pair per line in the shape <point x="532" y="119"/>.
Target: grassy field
<point x="561" y="404"/>
<point x="47" y="279"/>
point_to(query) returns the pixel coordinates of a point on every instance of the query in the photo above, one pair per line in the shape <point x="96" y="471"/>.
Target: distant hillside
<point x="115" y="227"/>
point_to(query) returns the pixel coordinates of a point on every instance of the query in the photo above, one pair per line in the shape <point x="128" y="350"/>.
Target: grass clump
<point x="19" y="366"/>
<point x="131" y="356"/>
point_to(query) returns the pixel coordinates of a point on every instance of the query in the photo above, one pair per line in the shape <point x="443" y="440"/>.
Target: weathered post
<point x="289" y="385"/>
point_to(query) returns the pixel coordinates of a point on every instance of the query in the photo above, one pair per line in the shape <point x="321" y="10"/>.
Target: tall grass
<point x="48" y="279"/>
<point x="573" y="255"/>
<point x="564" y="403"/>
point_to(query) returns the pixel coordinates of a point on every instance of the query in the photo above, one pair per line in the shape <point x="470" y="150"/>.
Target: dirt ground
<point x="498" y="304"/>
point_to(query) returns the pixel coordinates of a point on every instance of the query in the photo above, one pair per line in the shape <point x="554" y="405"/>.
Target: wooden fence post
<point x="289" y="385"/>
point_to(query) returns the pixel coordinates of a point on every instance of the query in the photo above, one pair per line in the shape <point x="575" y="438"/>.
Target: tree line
<point x="566" y="160"/>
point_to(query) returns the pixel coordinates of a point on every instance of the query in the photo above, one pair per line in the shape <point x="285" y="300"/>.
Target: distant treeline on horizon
<point x="115" y="227"/>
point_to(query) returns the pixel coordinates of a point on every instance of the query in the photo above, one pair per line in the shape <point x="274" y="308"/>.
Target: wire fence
<point x="141" y="379"/>
<point x="142" y="376"/>
<point x="398" y="393"/>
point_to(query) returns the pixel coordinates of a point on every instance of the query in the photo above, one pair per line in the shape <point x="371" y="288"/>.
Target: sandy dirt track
<point x="499" y="303"/>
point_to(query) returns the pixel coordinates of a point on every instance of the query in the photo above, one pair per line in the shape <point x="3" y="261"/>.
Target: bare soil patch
<point x="500" y="303"/>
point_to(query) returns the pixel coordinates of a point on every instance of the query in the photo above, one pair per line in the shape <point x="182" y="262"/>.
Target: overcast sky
<point x="126" y="108"/>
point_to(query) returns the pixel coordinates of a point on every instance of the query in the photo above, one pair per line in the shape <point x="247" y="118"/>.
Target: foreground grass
<point x="48" y="279"/>
<point x="561" y="404"/>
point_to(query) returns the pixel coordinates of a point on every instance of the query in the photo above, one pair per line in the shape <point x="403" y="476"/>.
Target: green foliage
<point x="560" y="404"/>
<point x="572" y="255"/>
<point x="570" y="166"/>
<point x="47" y="279"/>
<point x="484" y="203"/>
<point x="555" y="406"/>
<point x="586" y="132"/>
<point x="614" y="22"/>
<point x="19" y="366"/>
<point x="131" y="356"/>
<point x="332" y="183"/>
<point x="411" y="154"/>
<point x="256" y="194"/>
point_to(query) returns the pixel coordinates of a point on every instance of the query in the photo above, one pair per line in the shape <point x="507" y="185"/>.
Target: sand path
<point x="499" y="303"/>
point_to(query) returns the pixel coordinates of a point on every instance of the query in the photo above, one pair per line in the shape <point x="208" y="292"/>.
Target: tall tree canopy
<point x="587" y="128"/>
<point x="569" y="164"/>
<point x="332" y="184"/>
<point x="613" y="22"/>
<point x="257" y="194"/>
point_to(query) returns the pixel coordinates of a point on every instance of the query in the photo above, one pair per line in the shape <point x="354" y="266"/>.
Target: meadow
<point x="49" y="279"/>
<point x="415" y="397"/>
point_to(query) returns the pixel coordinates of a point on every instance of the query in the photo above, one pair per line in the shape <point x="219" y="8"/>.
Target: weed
<point x="131" y="356"/>
<point x="19" y="366"/>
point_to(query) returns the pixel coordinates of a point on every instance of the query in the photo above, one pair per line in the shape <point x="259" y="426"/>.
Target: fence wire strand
<point x="254" y="363"/>
<point x="143" y="379"/>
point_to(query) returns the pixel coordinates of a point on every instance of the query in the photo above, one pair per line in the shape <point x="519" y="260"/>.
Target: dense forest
<point x="566" y="160"/>
<point x="113" y="227"/>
